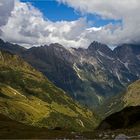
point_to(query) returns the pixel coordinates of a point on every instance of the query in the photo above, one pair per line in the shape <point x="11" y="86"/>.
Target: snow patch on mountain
<point x="77" y="70"/>
<point x="102" y="54"/>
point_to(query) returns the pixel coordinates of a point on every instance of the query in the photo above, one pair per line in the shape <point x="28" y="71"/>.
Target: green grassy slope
<point x="132" y="95"/>
<point x="123" y="110"/>
<point x="29" y="97"/>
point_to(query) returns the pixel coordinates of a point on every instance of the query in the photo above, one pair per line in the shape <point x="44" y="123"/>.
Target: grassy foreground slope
<point x="11" y="129"/>
<point x="29" y="97"/>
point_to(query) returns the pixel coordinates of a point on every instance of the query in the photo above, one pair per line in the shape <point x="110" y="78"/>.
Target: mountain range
<point x="27" y="96"/>
<point x="56" y="88"/>
<point x="91" y="75"/>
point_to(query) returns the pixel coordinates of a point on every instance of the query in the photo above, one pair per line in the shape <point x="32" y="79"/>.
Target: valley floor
<point x="120" y="134"/>
<point x="10" y="129"/>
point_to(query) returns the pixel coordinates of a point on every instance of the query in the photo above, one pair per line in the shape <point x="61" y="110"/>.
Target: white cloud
<point x="26" y="25"/>
<point x="6" y="6"/>
<point x="114" y="9"/>
<point x="126" y="10"/>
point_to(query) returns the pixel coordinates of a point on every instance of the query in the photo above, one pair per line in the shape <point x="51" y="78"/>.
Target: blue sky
<point x="55" y="11"/>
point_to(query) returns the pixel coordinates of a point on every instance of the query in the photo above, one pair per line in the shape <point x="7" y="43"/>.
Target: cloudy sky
<point x="72" y="23"/>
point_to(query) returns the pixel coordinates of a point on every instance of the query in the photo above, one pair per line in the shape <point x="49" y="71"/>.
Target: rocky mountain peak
<point x="57" y="46"/>
<point x="96" y="45"/>
<point x="103" y="48"/>
<point x="128" y="53"/>
<point x="1" y="41"/>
